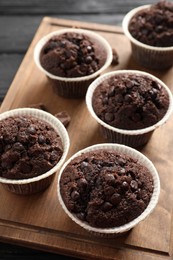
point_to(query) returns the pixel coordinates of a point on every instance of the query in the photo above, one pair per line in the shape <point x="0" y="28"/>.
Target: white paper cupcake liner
<point x="133" y="138"/>
<point x="151" y="57"/>
<point x="73" y="87"/>
<point x="41" y="182"/>
<point x="143" y="160"/>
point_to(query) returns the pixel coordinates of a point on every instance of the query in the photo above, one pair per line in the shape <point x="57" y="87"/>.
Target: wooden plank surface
<point x="76" y="6"/>
<point x="38" y="221"/>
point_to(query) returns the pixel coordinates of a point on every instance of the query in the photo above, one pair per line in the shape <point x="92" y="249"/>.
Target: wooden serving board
<point x="38" y="221"/>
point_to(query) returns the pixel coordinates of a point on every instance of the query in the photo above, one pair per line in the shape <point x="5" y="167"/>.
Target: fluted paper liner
<point x="35" y="184"/>
<point x="75" y="87"/>
<point x="151" y="57"/>
<point x="143" y="160"/>
<point x="133" y="138"/>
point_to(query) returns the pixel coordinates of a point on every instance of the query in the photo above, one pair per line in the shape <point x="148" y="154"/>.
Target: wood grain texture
<point x="38" y="221"/>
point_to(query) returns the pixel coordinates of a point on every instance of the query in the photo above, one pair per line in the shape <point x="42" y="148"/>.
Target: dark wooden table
<point x="19" y="21"/>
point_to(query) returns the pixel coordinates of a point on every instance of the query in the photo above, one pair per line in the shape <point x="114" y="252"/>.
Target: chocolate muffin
<point x="106" y="188"/>
<point x="28" y="147"/>
<point x="72" y="55"/>
<point x="130" y="101"/>
<point x="153" y="25"/>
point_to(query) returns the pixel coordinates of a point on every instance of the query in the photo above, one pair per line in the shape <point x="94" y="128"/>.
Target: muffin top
<point x="28" y="147"/>
<point x="130" y="101"/>
<point x="105" y="188"/>
<point x="72" y="55"/>
<point x="153" y="26"/>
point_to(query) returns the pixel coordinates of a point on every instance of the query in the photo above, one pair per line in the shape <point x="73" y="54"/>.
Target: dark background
<point x="19" y="20"/>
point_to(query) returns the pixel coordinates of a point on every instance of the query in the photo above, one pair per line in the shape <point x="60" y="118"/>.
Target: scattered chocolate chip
<point x="115" y="59"/>
<point x="64" y="117"/>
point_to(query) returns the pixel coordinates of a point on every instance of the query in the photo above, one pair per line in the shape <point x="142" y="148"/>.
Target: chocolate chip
<point x="31" y="130"/>
<point x="89" y="48"/>
<point x="115" y="199"/>
<point x="22" y="137"/>
<point x="63" y="43"/>
<point x="111" y="92"/>
<point x="122" y="161"/>
<point x="54" y="156"/>
<point x="18" y="146"/>
<point x="109" y="117"/>
<point x="125" y="185"/>
<point x="153" y="92"/>
<point x="62" y="65"/>
<point x="86" y="168"/>
<point x="105" y="101"/>
<point x="109" y="190"/>
<point x="82" y="183"/>
<point x="129" y="84"/>
<point x="134" y="184"/>
<point x="84" y="164"/>
<point x="128" y="98"/>
<point x="138" y="194"/>
<point x="88" y="59"/>
<point x="41" y="139"/>
<point x="110" y="178"/>
<point x="81" y="216"/>
<point x="75" y="195"/>
<point x="106" y="206"/>
<point x="122" y="170"/>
